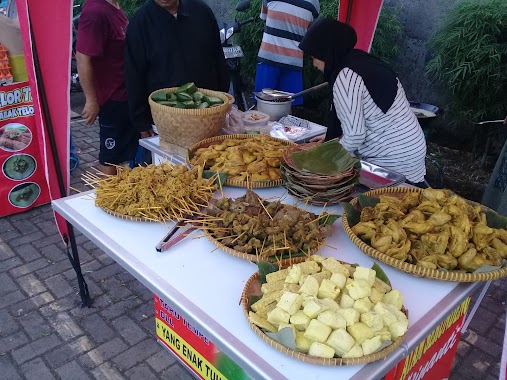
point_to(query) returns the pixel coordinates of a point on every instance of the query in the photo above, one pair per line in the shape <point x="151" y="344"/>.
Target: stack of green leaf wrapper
<point x="320" y="173"/>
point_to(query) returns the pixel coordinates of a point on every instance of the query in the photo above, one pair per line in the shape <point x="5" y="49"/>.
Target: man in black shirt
<point x="170" y="43"/>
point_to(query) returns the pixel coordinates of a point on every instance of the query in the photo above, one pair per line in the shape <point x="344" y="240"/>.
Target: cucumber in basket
<point x="186" y="96"/>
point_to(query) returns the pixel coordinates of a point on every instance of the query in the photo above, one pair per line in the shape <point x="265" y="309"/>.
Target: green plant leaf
<point x="327" y="159"/>
<point x="495" y="220"/>
<point x="222" y="177"/>
<point x="353" y="216"/>
<point x="329" y="219"/>
<point x="264" y="269"/>
<point x="367" y="201"/>
<point x="285" y="337"/>
<point x="381" y="275"/>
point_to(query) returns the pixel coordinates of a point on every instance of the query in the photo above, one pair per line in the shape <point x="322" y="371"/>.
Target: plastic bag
<point x="234" y="122"/>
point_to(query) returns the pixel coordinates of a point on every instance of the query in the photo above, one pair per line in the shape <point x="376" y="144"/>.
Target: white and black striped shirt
<point x="393" y="140"/>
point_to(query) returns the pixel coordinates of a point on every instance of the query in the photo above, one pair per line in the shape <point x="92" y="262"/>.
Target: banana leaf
<point x="381" y="275"/>
<point x="366" y="201"/>
<point x="326" y="159"/>
<point x="353" y="216"/>
<point x="495" y="220"/>
<point x="264" y="269"/>
<point x="220" y="179"/>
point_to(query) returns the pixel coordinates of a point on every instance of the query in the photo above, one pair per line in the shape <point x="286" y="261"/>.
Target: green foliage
<point x="470" y="59"/>
<point x="129" y="6"/>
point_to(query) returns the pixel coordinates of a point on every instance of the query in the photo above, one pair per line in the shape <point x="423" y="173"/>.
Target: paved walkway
<point x="45" y="334"/>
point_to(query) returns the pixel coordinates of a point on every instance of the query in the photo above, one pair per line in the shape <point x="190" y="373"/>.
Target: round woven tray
<point x="450" y="275"/>
<point x="127" y="217"/>
<point x="250" y="257"/>
<point x="253" y="287"/>
<point x="250" y="184"/>
<point x="184" y="127"/>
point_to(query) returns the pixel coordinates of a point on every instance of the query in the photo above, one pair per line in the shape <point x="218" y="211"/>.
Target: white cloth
<point x="393" y="140"/>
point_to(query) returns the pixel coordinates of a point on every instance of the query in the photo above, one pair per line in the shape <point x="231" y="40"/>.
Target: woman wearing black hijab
<point x="368" y="101"/>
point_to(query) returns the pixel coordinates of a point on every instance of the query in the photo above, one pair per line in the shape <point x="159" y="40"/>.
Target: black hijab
<point x="333" y="42"/>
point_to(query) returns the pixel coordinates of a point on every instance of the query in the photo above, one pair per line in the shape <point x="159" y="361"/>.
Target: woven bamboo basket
<point x="253" y="287"/>
<point x="251" y="184"/>
<point x="127" y="217"/>
<point x="250" y="257"/>
<point x="451" y="275"/>
<point x="179" y="128"/>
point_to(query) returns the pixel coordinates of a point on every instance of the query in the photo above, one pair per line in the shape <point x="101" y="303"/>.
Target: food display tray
<point x="437" y="274"/>
<point x="374" y="177"/>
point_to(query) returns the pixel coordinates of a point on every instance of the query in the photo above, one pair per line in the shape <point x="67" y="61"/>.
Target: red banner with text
<point x="193" y="348"/>
<point x="432" y="359"/>
<point x="23" y="183"/>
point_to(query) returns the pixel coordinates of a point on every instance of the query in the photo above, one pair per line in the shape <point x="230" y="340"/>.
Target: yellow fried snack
<point x="435" y="229"/>
<point x="252" y="159"/>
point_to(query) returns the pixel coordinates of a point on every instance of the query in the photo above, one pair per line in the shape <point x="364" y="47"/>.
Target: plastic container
<point x="256" y="122"/>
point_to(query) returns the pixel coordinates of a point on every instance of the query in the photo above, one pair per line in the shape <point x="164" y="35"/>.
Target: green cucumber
<point x="189" y="88"/>
<point x="198" y="96"/>
<point x="203" y="105"/>
<point x="179" y="105"/>
<point x="167" y="103"/>
<point x="184" y="97"/>
<point x="212" y="100"/>
<point x="189" y="104"/>
<point x="171" y="96"/>
<point x="159" y="96"/>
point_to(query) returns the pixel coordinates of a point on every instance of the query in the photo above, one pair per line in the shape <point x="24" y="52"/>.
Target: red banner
<point x="23" y="183"/>
<point x="192" y="347"/>
<point x="363" y="16"/>
<point x="50" y="26"/>
<point x="433" y="358"/>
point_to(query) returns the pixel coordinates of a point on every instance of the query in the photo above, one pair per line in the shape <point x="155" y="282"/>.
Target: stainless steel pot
<point x="275" y="109"/>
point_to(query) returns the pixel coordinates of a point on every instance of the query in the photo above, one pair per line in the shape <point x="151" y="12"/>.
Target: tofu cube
<point x="290" y="302"/>
<point x="321" y="275"/>
<point x="314" y="308"/>
<point x="398" y="328"/>
<point x="263" y="312"/>
<point x="341" y="341"/>
<point x="317" y="331"/>
<point x="261" y="322"/>
<point x="375" y="295"/>
<point x="328" y="289"/>
<point x="400" y="316"/>
<point x="367" y="274"/>
<point x="387" y="317"/>
<point x="363" y="305"/>
<point x="274" y="286"/>
<point x="302" y="342"/>
<point x="307" y="298"/>
<point x="321" y="350"/>
<point x="359" y="289"/>
<point x="302" y="279"/>
<point x="300" y="320"/>
<point x="332" y="319"/>
<point x="277" y="316"/>
<point x="317" y="258"/>
<point x="277" y="276"/>
<point x="394" y="297"/>
<point x="266" y="300"/>
<point x="309" y="267"/>
<point x="346" y="301"/>
<point x="369" y="346"/>
<point x="381" y="286"/>
<point x="355" y="352"/>
<point x="384" y="334"/>
<point x="332" y="265"/>
<point x="310" y="286"/>
<point x="350" y="315"/>
<point x="372" y="320"/>
<point x="294" y="288"/>
<point x="331" y="304"/>
<point x="360" y="332"/>
<point x="339" y="279"/>
<point x="294" y="275"/>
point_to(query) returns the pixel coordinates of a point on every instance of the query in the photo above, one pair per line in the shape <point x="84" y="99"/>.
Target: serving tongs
<point x="170" y="239"/>
<point x="271" y="95"/>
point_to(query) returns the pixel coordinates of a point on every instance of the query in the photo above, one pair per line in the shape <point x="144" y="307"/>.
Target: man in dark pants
<point x="170" y="43"/>
<point x="100" y="59"/>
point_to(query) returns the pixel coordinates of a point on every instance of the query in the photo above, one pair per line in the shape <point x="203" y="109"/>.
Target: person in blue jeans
<point x="74" y="159"/>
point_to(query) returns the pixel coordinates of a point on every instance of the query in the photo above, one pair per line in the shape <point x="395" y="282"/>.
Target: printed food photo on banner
<point x="15" y="137"/>
<point x="19" y="167"/>
<point x="24" y="195"/>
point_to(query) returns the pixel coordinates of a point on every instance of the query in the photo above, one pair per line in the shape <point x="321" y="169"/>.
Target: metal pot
<point x="275" y="109"/>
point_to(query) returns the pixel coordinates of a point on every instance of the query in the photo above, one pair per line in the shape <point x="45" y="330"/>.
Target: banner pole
<point x="74" y="258"/>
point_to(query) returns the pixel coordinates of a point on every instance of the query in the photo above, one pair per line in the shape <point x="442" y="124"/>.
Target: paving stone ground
<point x="45" y="334"/>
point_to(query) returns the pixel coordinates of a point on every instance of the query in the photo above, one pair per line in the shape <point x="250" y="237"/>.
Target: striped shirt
<point x="286" y="24"/>
<point x="393" y="140"/>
